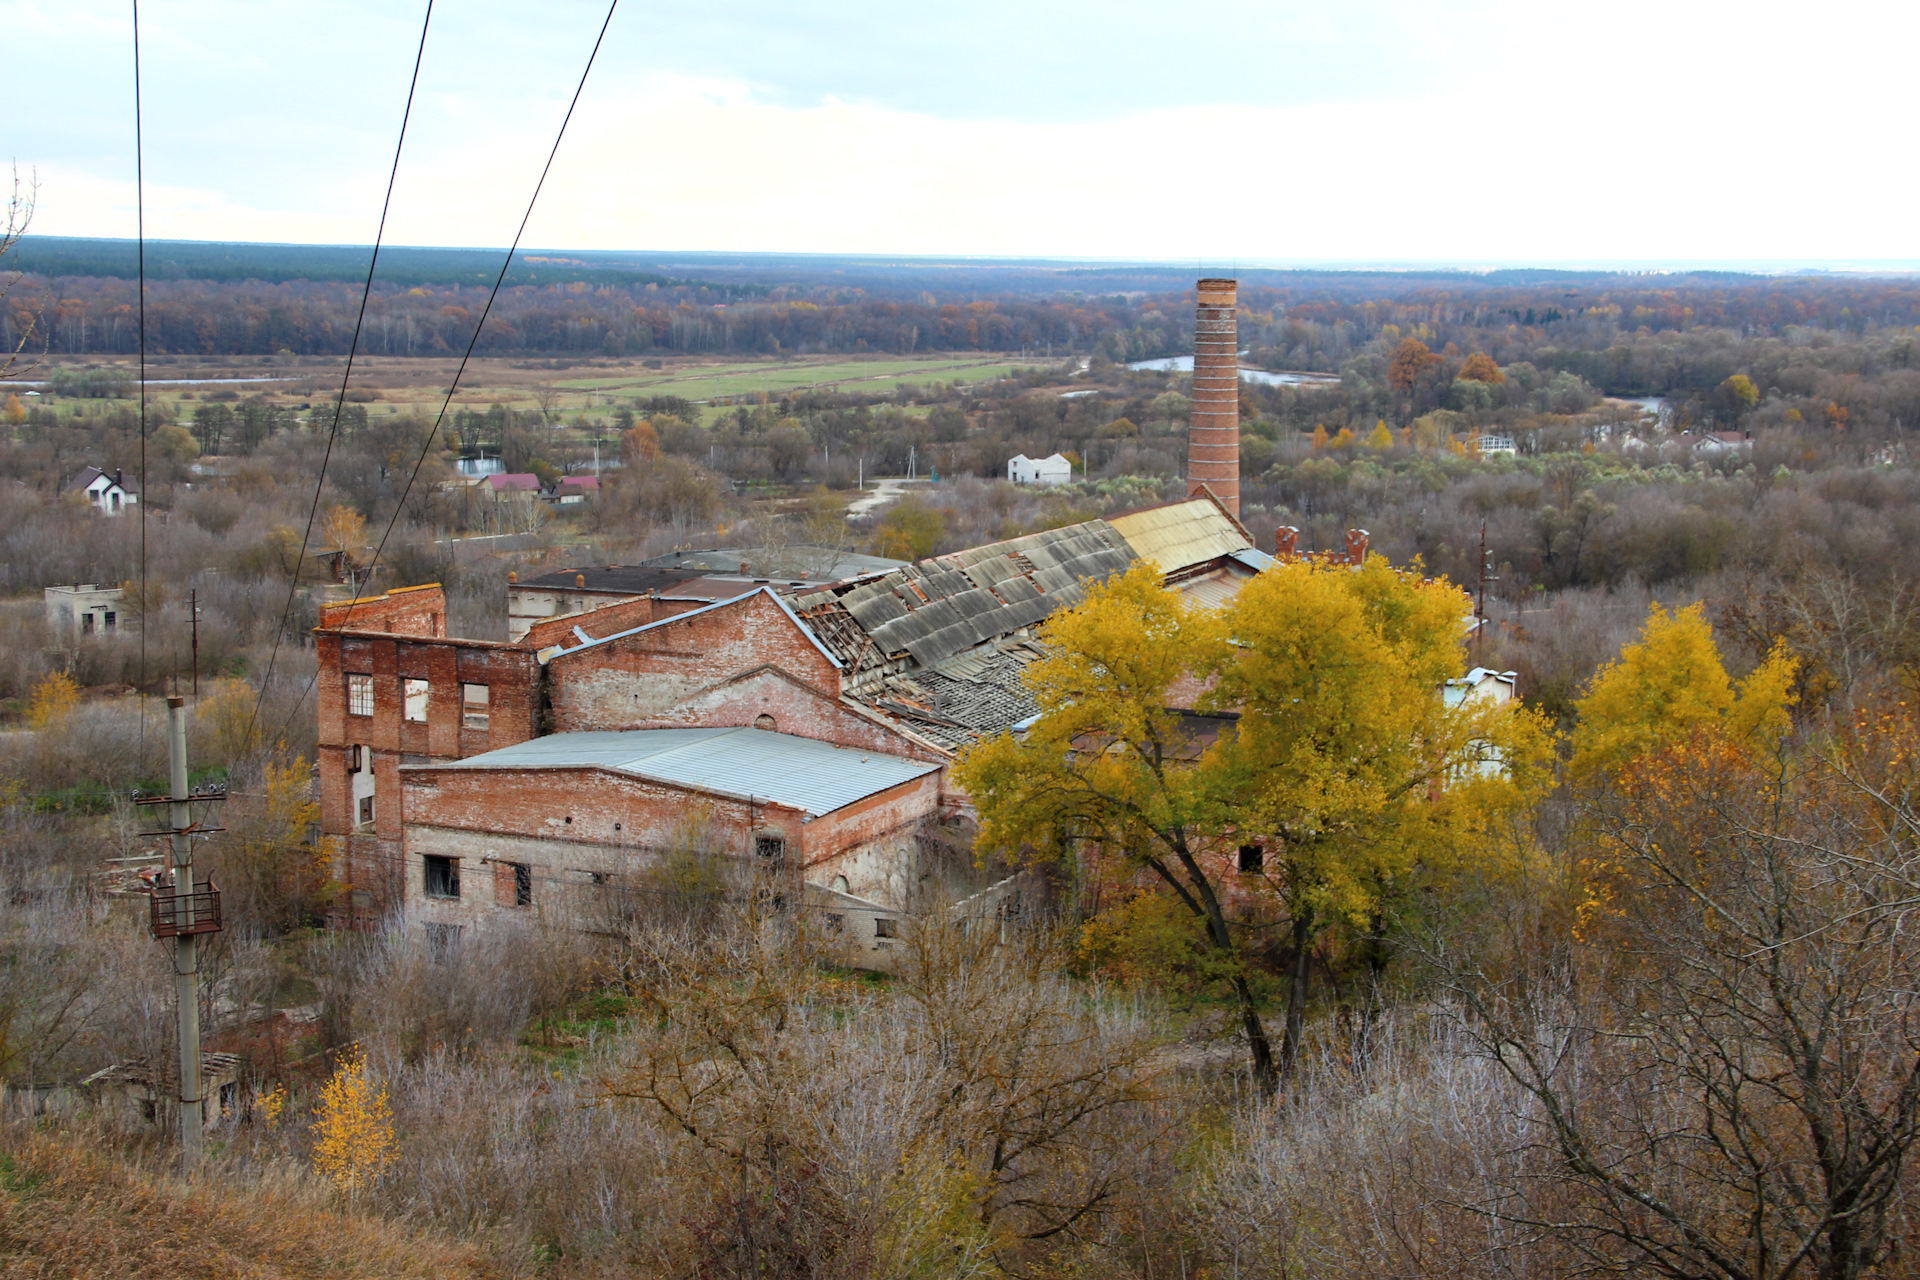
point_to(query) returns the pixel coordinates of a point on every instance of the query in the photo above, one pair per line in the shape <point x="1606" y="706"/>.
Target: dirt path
<point x="883" y="492"/>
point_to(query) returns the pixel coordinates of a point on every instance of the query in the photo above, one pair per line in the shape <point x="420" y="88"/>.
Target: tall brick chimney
<point x="1213" y="442"/>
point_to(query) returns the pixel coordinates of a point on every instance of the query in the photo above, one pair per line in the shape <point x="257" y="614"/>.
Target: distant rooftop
<point x="620" y="579"/>
<point x="805" y="560"/>
<point x="797" y="773"/>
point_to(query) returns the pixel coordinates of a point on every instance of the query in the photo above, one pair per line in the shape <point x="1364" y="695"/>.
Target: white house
<point x="1489" y="445"/>
<point x="1052" y="469"/>
<point x="109" y="494"/>
<point x="1716" y="443"/>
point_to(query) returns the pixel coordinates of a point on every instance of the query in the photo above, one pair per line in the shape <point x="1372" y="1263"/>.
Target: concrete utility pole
<point x="186" y="943"/>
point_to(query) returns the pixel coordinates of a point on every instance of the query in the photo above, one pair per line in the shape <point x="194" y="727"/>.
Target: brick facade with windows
<point x="370" y="653"/>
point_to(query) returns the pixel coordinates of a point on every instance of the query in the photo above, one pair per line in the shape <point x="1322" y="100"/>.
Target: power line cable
<point x="340" y="402"/>
<point x="426" y="445"/>
<point x="140" y="232"/>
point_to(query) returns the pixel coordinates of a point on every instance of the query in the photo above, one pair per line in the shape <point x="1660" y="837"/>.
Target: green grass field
<point x="880" y="374"/>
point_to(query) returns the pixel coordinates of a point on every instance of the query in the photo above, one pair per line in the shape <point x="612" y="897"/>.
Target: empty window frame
<point x="359" y="758"/>
<point x="1253" y="859"/>
<point x="443" y="940"/>
<point x="86" y="624"/>
<point x="513" y="884"/>
<point x="359" y="695"/>
<point x="836" y="923"/>
<point x="769" y="848"/>
<point x="884" y="927"/>
<point x="111" y="619"/>
<point x="474" y="709"/>
<point x="442" y="876"/>
<point x="413" y="700"/>
<point x="366" y="811"/>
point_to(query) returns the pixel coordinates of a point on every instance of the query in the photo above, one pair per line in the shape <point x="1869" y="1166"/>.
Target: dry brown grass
<point x="72" y="1211"/>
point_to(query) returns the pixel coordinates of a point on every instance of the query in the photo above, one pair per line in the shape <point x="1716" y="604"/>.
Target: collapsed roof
<point x="940" y="644"/>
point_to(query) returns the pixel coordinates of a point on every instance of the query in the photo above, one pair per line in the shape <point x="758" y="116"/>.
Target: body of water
<point x="1184" y="364"/>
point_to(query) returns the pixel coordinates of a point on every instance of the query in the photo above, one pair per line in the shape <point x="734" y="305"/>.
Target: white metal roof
<point x="797" y="773"/>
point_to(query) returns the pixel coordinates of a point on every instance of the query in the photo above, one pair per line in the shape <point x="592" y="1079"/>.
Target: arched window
<point x="763" y="721"/>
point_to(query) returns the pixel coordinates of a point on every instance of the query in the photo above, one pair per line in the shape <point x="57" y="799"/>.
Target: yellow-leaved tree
<point x="1362" y="777"/>
<point x="1670" y="687"/>
<point x="353" y="1142"/>
<point x="1321" y="734"/>
<point x="1653" y="724"/>
<point x="53" y="700"/>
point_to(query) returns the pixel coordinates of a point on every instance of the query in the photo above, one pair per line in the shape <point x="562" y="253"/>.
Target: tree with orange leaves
<point x="1481" y="368"/>
<point x="1410" y="362"/>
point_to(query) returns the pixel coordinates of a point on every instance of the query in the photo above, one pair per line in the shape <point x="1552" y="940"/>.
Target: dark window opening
<point x="522" y="885"/>
<point x="86" y="624"/>
<point x="443" y="940"/>
<point x="443" y="877"/>
<point x="769" y="848"/>
<point x="599" y="877"/>
<point x="111" y="619"/>
<point x="1252" y="858"/>
<point x="885" y="928"/>
<point x="836" y="923"/>
<point x="366" y="811"/>
<point x="763" y="721"/>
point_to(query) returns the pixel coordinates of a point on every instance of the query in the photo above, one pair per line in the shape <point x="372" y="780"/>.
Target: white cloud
<point x="1643" y="131"/>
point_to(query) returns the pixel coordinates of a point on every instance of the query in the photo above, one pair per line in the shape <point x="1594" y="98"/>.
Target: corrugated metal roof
<point x="959" y="610"/>
<point x="1180" y="534"/>
<point x="1215" y="590"/>
<point x="798" y="773"/>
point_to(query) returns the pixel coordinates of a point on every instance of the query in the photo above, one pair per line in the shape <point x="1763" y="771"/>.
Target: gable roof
<point x="768" y="592"/>
<point x="89" y="475"/>
<point x="514" y="482"/>
<point x="745" y="764"/>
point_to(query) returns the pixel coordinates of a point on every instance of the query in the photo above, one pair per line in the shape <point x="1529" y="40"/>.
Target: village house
<point x="1052" y="469"/>
<point x="109" y="493"/>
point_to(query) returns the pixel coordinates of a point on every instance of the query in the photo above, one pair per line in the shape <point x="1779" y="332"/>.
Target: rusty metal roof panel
<point x="1214" y="589"/>
<point x="1180" y="534"/>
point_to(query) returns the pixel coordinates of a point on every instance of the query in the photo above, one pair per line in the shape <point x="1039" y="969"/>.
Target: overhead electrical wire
<point x="446" y="403"/>
<point x="340" y="401"/>
<point x="140" y="233"/>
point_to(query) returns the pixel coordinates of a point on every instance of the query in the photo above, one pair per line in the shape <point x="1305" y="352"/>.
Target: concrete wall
<point x="528" y="606"/>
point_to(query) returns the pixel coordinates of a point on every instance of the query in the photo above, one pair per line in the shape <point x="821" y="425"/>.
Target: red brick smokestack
<point x="1213" y="442"/>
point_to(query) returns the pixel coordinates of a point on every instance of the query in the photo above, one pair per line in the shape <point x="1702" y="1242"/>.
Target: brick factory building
<point x="568" y="753"/>
<point x="901" y="668"/>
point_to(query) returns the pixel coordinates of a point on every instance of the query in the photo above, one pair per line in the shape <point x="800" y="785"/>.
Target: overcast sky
<point x="1235" y="131"/>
